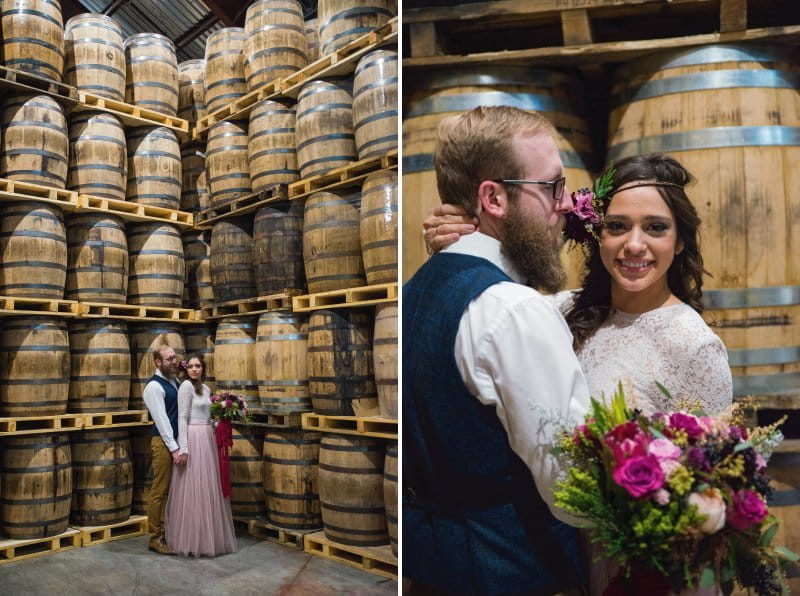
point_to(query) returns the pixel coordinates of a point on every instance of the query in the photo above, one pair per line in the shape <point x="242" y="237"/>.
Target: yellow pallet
<point x="347" y="298"/>
<point x="136" y="525"/>
<point x="243" y="205"/>
<point x="34" y="425"/>
<point x="264" y="530"/>
<point x="18" y="550"/>
<point x="131" y="114"/>
<point x="352" y="174"/>
<point x="250" y="306"/>
<point x="374" y="559"/>
<point x="136" y="312"/>
<point x="115" y="419"/>
<point x="367" y="426"/>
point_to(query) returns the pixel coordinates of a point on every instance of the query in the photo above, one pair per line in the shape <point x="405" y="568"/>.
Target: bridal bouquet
<point x="680" y="496"/>
<point x="227" y="408"/>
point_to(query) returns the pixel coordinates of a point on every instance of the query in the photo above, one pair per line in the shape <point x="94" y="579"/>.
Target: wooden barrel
<point x="97" y="263"/>
<point x="379" y="227"/>
<point x="194" y="190"/>
<point x="33" y="37"/>
<point x="34" y="144"/>
<point x="342" y="21"/>
<point x="278" y="249"/>
<point x="339" y="364"/>
<point x="271" y="152"/>
<point x="291" y="458"/>
<point x="351" y="490"/>
<point x="102" y="477"/>
<point x="191" y="91"/>
<point x="375" y="104"/>
<point x="332" y="242"/>
<point x="390" y="492"/>
<point x="152" y="73"/>
<point x="154" y="167"/>
<point x="280" y="360"/>
<point x="384" y="352"/>
<point x="34" y="366"/>
<point x="275" y="44"/>
<point x="234" y="359"/>
<point x="784" y="469"/>
<point x="33" y="251"/>
<point x="232" y="260"/>
<point x="98" y="160"/>
<point x="441" y="94"/>
<point x="95" y="58"/>
<point x="144" y="338"/>
<point x="141" y="457"/>
<point x="100" y="378"/>
<point x="324" y="129"/>
<point x="198" y="291"/>
<point x="200" y="340"/>
<point x="736" y="105"/>
<point x="224" y="75"/>
<point x="157" y="270"/>
<point x="312" y="40"/>
<point x="247" y="485"/>
<point x="226" y="162"/>
<point x="36" y="476"/>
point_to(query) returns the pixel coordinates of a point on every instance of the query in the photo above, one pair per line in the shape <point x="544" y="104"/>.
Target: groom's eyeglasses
<point x="557" y="184"/>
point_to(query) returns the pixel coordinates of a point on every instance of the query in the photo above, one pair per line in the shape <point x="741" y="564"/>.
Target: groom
<point x="489" y="371"/>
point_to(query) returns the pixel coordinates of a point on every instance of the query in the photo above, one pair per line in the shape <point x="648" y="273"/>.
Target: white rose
<point x="710" y="504"/>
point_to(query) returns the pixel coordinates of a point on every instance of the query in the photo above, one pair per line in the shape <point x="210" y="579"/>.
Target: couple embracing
<point x="492" y="368"/>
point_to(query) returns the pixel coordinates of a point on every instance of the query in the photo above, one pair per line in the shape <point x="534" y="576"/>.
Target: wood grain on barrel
<point x="100" y="378"/>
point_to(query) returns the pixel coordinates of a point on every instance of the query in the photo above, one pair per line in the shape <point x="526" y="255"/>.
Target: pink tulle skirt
<point x="199" y="519"/>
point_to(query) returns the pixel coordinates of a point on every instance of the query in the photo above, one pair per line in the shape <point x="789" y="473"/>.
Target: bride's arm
<point x="708" y="375"/>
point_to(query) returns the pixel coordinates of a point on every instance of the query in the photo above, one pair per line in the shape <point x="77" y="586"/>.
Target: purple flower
<point x="214" y="399"/>
<point x="697" y="458"/>
<point x="687" y="422"/>
<point x="582" y="199"/>
<point x="746" y="510"/>
<point x="737" y="433"/>
<point x="575" y="228"/>
<point x="640" y="476"/>
<point x="228" y="403"/>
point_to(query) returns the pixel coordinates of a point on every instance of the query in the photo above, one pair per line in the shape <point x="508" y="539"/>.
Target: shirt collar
<point x="486" y="247"/>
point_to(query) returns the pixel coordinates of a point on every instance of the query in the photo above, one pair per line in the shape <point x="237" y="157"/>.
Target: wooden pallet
<point x="136" y="525"/>
<point x="237" y="109"/>
<point x="243" y="205"/>
<point x="250" y="306"/>
<point x="136" y="312"/>
<point x="115" y="419"/>
<point x="132" y="115"/>
<point x="273" y="420"/>
<point x="38" y="306"/>
<point x="18" y="550"/>
<point x="134" y="211"/>
<point x="368" y="426"/>
<point x="13" y="190"/>
<point x="264" y="530"/>
<point x="375" y="559"/>
<point x="347" y="298"/>
<point x="345" y="176"/>
<point x="30" y="83"/>
<point x="40" y="424"/>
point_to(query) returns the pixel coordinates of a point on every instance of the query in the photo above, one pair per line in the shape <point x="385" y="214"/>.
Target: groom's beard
<point x="529" y="245"/>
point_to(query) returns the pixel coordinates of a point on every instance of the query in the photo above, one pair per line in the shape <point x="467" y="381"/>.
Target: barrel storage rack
<point x="197" y="319"/>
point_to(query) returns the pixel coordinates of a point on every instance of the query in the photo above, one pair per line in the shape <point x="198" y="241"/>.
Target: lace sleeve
<point x="184" y="408"/>
<point x="707" y="376"/>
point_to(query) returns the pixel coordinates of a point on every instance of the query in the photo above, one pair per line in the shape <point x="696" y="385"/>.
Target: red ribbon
<point x="224" y="433"/>
<point x="642" y="581"/>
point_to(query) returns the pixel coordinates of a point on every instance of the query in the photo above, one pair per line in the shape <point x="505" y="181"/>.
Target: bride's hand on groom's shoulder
<point x="445" y="224"/>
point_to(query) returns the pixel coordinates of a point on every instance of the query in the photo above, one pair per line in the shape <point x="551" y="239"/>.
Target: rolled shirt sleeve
<point x="154" y="400"/>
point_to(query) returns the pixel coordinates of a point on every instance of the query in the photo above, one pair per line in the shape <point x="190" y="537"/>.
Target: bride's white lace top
<point x="671" y="345"/>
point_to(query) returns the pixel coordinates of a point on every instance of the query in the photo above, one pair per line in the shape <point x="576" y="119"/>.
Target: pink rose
<point x="228" y="403"/>
<point x="686" y="422"/>
<point x="214" y="399"/>
<point x="664" y="449"/>
<point x="710" y="504"/>
<point x="625" y="441"/>
<point x="661" y="497"/>
<point x="583" y="205"/>
<point x="640" y="475"/>
<point x="746" y="510"/>
<point x="581" y="435"/>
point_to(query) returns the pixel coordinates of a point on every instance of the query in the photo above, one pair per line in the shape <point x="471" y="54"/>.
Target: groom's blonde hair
<point x="478" y="146"/>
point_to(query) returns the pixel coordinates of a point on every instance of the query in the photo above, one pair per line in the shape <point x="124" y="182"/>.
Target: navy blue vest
<point x="170" y="403"/>
<point x="473" y="521"/>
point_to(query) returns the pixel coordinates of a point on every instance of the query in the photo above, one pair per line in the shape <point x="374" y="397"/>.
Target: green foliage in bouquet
<point x="229" y="406"/>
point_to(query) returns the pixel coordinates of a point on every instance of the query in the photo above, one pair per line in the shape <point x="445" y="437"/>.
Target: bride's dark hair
<point x="198" y="384"/>
<point x="685" y="276"/>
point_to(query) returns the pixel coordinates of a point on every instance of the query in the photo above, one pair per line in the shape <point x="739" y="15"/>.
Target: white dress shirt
<point x="154" y="400"/>
<point x="514" y="352"/>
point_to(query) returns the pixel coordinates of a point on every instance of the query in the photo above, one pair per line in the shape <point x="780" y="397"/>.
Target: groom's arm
<point x="154" y="400"/>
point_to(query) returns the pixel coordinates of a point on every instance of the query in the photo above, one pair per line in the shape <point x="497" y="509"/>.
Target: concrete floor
<point x="127" y="568"/>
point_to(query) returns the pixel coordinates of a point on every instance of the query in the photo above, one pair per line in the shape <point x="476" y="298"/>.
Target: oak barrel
<point x="95" y="57"/>
<point x="223" y="79"/>
<point x="194" y="190"/>
<point x="280" y="361"/>
<point x="33" y="37"/>
<point x="312" y="39"/>
<point x="100" y="378"/>
<point x="198" y="291"/>
<point x="384" y="351"/>
<point x="35" y="144"/>
<point x="191" y="91"/>
<point x="141" y="457"/>
<point x="339" y="364"/>
<point x="33" y="251"/>
<point x="324" y="129"/>
<point x="246" y="468"/>
<point x="784" y="469"/>
<point x="375" y="103"/>
<point x="232" y="260"/>
<point x="275" y="44"/>
<point x="342" y="21"/>
<point x="278" y="249"/>
<point x="378" y="228"/>
<point x="332" y="242"/>
<point x="226" y="162"/>
<point x="152" y="73"/>
<point x="98" y="158"/>
<point x="157" y="269"/>
<point x="234" y="358"/>
<point x="102" y="477"/>
<point x="144" y="338"/>
<point x="351" y="490"/>
<point x="291" y="458"/>
<point x="154" y="167"/>
<point x="271" y="152"/>
<point x="390" y="492"/>
<point x="36" y="476"/>
<point x="97" y="263"/>
<point x="200" y="340"/>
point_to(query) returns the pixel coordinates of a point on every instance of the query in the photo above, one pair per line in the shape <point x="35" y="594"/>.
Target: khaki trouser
<point x="159" y="489"/>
